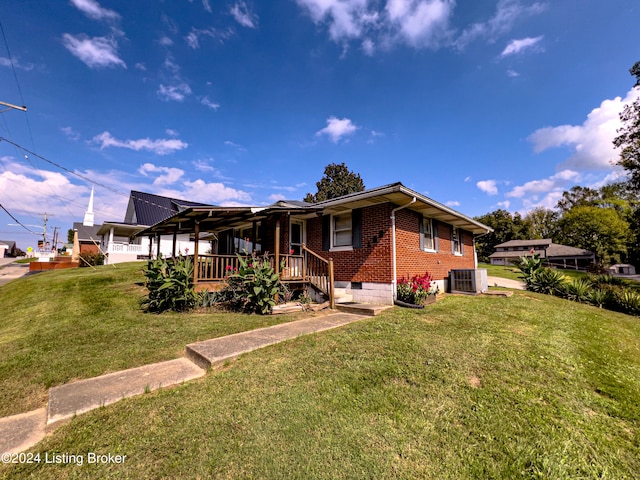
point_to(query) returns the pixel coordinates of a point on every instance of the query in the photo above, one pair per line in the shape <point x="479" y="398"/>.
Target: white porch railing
<point x="127" y="248"/>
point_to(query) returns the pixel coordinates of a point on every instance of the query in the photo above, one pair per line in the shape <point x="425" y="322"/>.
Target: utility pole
<point x="10" y="105"/>
<point x="45" y="217"/>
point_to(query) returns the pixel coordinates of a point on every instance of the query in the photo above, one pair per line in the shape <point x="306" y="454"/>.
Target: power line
<point x="83" y="177"/>
<point x="18" y="221"/>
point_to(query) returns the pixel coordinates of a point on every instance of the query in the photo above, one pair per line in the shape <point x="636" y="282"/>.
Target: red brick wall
<point x="372" y="262"/>
<point x="411" y="260"/>
<point x="89" y="248"/>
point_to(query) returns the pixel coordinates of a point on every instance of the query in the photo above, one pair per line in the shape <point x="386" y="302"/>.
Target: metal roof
<point x="149" y="209"/>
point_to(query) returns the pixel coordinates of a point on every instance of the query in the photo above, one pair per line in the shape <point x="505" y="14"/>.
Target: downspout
<point x="393" y="246"/>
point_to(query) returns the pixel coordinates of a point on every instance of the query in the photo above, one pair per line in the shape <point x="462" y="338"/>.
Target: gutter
<point x="394" y="285"/>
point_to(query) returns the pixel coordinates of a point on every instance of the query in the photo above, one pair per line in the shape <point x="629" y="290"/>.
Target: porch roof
<point x="216" y="218"/>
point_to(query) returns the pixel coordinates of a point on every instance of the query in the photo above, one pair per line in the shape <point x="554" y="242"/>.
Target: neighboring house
<point x="88" y="237"/>
<point x="553" y="254"/>
<point x="8" y="248"/>
<point x="373" y="238"/>
<point x="119" y="241"/>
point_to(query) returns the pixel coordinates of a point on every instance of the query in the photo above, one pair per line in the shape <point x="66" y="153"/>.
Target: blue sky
<point x="479" y="105"/>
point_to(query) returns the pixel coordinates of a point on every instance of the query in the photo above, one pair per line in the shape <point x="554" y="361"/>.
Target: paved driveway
<point x="10" y="271"/>
<point x="506" y="283"/>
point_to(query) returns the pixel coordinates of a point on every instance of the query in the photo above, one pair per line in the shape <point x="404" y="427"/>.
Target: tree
<point x="70" y="235"/>
<point x="337" y="181"/>
<point x="578" y="197"/>
<point x="628" y="139"/>
<point x="505" y="227"/>
<point x="543" y="223"/>
<point x="600" y="230"/>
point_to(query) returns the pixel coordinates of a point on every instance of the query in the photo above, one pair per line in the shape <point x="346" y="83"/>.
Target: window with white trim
<point x="455" y="239"/>
<point x="429" y="237"/>
<point x="341" y="230"/>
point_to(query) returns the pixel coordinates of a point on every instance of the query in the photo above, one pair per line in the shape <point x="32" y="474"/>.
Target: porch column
<point x="150" y="247"/>
<point x="195" y="252"/>
<point x="277" y="246"/>
<point x="110" y="239"/>
<point x="175" y="237"/>
<point x="157" y="245"/>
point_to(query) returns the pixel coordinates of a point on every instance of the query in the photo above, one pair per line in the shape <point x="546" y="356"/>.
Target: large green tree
<point x="628" y="139"/>
<point x="542" y="222"/>
<point x="600" y="230"/>
<point x="337" y="181"/>
<point x="505" y="227"/>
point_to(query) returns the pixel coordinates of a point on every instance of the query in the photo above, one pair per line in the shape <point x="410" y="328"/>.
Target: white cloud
<point x="96" y="52"/>
<point x="337" y="128"/>
<point x="558" y="182"/>
<point x="160" y="146"/>
<point x="175" y="93"/>
<point x="276" y="196"/>
<point x="453" y="203"/>
<point x="467" y="179"/>
<point x="506" y="204"/>
<point x="168" y="175"/>
<point x="207" y="5"/>
<point x="243" y="15"/>
<point x="421" y="22"/>
<point x="368" y="47"/>
<point x="6" y="62"/>
<point x="518" y="46"/>
<point x="165" y="41"/>
<point x="488" y="186"/>
<point x="512" y="74"/>
<point x="591" y="142"/>
<point x="237" y="146"/>
<point x="201" y="191"/>
<point x="92" y="9"/>
<point x="70" y="133"/>
<point x="208" y="103"/>
<point x="171" y="132"/>
<point x="508" y="12"/>
<point x="193" y="37"/>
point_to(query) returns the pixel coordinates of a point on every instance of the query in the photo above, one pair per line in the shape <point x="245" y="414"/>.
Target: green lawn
<point x="513" y="273"/>
<point x="65" y="325"/>
<point x="529" y="386"/>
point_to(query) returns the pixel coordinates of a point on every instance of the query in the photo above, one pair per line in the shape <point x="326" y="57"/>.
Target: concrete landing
<point x="75" y="398"/>
<point x="218" y="350"/>
<point x="368" y="309"/>
<point x="19" y="432"/>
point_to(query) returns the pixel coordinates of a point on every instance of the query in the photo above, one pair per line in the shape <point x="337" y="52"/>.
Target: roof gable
<point x="149" y="209"/>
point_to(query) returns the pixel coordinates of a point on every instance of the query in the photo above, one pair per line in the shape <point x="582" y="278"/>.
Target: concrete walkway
<point x="506" y="283"/>
<point x="20" y="432"/>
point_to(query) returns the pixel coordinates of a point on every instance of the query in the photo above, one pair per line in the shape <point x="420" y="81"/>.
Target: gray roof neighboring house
<point x="544" y="247"/>
<point x="526" y="243"/>
<point x="87" y="234"/>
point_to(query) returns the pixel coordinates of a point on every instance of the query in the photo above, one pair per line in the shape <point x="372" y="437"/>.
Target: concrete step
<point x="367" y="309"/>
<point x="19" y="432"/>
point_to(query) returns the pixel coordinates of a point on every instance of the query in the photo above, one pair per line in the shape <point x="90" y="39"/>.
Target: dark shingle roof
<point x="526" y="243"/>
<point x="86" y="234"/>
<point x="149" y="209"/>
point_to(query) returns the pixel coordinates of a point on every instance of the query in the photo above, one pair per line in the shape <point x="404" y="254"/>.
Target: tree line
<point x="605" y="220"/>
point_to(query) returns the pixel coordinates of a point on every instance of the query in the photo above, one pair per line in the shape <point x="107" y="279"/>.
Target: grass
<point x="27" y="260"/>
<point x="529" y="386"/>
<point x="65" y="325"/>
<point x="513" y="273"/>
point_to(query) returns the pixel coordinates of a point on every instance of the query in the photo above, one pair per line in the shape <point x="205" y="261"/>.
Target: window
<point x="428" y="234"/>
<point x="456" y="241"/>
<point x="341" y="231"/>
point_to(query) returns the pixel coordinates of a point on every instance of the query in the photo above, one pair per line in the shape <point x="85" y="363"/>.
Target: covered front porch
<point x="278" y="231"/>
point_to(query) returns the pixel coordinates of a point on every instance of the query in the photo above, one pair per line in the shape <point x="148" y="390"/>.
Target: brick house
<point x="371" y="238"/>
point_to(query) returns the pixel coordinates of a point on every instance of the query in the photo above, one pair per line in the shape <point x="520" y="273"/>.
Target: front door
<point x="296" y="237"/>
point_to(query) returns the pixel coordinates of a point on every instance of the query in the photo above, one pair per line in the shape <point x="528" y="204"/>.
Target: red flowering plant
<point x="417" y="288"/>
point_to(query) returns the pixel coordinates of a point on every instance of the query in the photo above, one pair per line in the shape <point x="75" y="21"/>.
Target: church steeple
<point x="88" y="215"/>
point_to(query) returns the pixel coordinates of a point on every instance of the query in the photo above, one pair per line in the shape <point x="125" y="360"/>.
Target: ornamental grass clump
<point x="416" y="290"/>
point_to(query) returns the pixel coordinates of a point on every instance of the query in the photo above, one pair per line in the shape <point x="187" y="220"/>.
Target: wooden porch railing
<point x="309" y="268"/>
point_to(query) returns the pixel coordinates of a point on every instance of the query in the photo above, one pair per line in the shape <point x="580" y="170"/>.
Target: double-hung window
<point x="428" y="243"/>
<point x="456" y="241"/>
<point x="342" y="230"/>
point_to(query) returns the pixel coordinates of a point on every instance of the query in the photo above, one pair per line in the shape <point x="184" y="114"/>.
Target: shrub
<point x="89" y="259"/>
<point x="253" y="287"/>
<point x="546" y="280"/>
<point x="170" y="285"/>
<point x="416" y="289"/>
<point x="600" y="297"/>
<point x="529" y="265"/>
<point x="577" y="290"/>
<point x="627" y="301"/>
